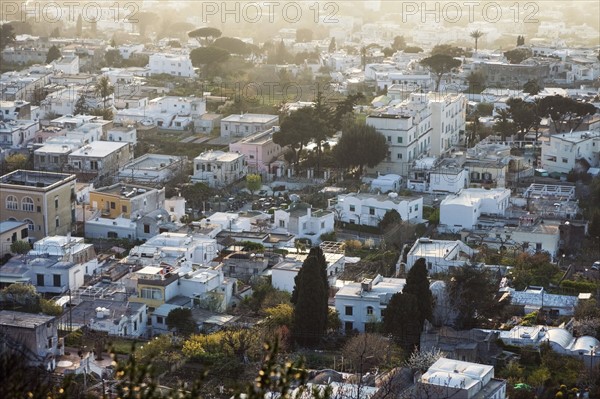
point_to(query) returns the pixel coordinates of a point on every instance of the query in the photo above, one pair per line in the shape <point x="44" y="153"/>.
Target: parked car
<point x="596" y="265"/>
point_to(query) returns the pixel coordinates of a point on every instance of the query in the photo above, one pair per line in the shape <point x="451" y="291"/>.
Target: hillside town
<point x="358" y="200"/>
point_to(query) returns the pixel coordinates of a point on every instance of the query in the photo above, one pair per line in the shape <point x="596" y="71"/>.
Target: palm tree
<point x="104" y="89"/>
<point x="476" y="34"/>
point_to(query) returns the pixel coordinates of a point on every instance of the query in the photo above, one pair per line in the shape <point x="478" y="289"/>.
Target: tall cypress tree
<point x="401" y="320"/>
<point x="310" y="295"/>
<point x="417" y="284"/>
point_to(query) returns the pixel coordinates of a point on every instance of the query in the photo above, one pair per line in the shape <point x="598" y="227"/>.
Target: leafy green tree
<point x="472" y="293"/>
<point x="534" y="269"/>
<point x="295" y="131"/>
<point x="81" y="107"/>
<point x="232" y="45"/>
<point x="253" y="182"/>
<point x="504" y="126"/>
<point x="476" y="34"/>
<point x="332" y="45"/>
<point x="53" y="54"/>
<point x="15" y="162"/>
<point x="104" y="89"/>
<point x="181" y="320"/>
<point x="210" y="58"/>
<point x="518" y="55"/>
<point x="113" y="58"/>
<point x="196" y="194"/>
<point x="20" y="247"/>
<point x="439" y="65"/>
<point x="401" y="320"/>
<point x="391" y="218"/>
<point x="413" y="50"/>
<point x="448" y="49"/>
<point x="310" y="298"/>
<point x="566" y="114"/>
<point x="7" y="35"/>
<point x="345" y="108"/>
<point x="205" y="35"/>
<point x="399" y="43"/>
<point x="524" y="115"/>
<point x="476" y="82"/>
<point x="361" y="145"/>
<point x="417" y="284"/>
<point x="531" y="87"/>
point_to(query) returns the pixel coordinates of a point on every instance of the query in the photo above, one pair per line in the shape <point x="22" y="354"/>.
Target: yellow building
<point x="44" y="200"/>
<point x="125" y="200"/>
<point x="154" y="286"/>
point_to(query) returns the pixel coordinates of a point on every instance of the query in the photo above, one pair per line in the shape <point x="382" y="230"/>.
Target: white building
<point x="284" y="273"/>
<point x="116" y="318"/>
<point x="369" y="209"/>
<point x="448" y="118"/>
<point x="68" y="64"/>
<point x="562" y="152"/>
<point x="247" y="124"/>
<point x="125" y="134"/>
<point x="151" y="168"/>
<point x="462" y="210"/>
<point x="171" y="64"/>
<point x="100" y="158"/>
<point x="218" y="168"/>
<point x="175" y="248"/>
<point x="17" y="133"/>
<point x="304" y="222"/>
<point x="167" y="112"/>
<point x="454" y="378"/>
<point x="359" y="304"/>
<point x="441" y="256"/>
<point x="386" y="183"/>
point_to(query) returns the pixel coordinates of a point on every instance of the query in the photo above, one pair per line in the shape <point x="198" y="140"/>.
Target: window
<point x="30" y="224"/>
<point x="231" y="269"/>
<point x="282" y="223"/>
<point x="159" y="320"/>
<point x="399" y="156"/>
<point x="147" y="228"/>
<point x="55" y="202"/>
<point x="565" y="160"/>
<point x="352" y="208"/>
<point x="151" y="293"/>
<point x="370" y="310"/>
<point x="348" y="311"/>
<point x="27" y="204"/>
<point x="538" y="246"/>
<point x="40" y="280"/>
<point x="322" y="225"/>
<point x="12" y="203"/>
<point x="57" y="221"/>
<point x="124" y="209"/>
<point x="112" y="234"/>
<point x="113" y="205"/>
<point x="94" y="165"/>
<point x="348" y="326"/>
<point x="371" y="211"/>
<point x="389" y="139"/>
<point x="56" y="280"/>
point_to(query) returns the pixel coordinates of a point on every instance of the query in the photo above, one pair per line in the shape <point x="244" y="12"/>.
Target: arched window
<point x="27" y="204"/>
<point x="12" y="203"/>
<point x="30" y="224"/>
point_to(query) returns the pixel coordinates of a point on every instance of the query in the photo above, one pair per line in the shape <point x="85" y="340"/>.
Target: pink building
<point x="260" y="151"/>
